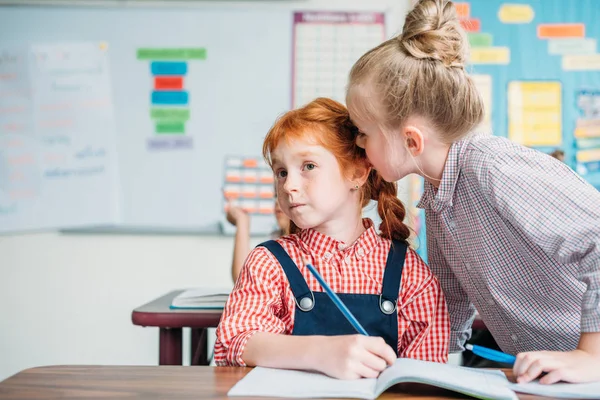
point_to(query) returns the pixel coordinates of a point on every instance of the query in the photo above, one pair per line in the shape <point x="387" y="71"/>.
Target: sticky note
<point x="571" y="46"/>
<point x="582" y="62"/>
<point x="490" y="55"/>
<point x="549" y="31"/>
<point x="516" y="13"/>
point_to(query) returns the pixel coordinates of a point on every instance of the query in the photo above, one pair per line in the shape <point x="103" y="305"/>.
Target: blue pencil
<point x="490" y="354"/>
<point x="336" y="300"/>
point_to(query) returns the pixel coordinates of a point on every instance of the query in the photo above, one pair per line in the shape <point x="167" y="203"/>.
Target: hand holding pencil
<point x="351" y="356"/>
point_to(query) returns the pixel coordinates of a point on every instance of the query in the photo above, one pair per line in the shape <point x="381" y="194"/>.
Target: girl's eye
<point x="360" y="135"/>
<point x="281" y="174"/>
<point x="310" y="167"/>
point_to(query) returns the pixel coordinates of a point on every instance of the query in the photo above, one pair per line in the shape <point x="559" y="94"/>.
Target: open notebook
<point x="201" y="298"/>
<point x="479" y="383"/>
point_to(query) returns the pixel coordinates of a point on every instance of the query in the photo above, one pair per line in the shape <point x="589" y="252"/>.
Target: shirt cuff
<point x="237" y="347"/>
<point x="590" y="311"/>
<point x="458" y="339"/>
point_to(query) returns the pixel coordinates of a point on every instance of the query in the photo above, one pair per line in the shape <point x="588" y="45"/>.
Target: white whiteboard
<point x="57" y="137"/>
<point x="235" y="93"/>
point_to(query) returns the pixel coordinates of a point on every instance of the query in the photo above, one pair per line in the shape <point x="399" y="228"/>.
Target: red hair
<point x="327" y="123"/>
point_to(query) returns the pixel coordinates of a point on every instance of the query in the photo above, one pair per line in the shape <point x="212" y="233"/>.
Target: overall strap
<point x="392" y="276"/>
<point x="298" y="284"/>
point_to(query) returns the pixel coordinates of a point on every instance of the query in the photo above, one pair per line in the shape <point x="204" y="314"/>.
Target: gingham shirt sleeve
<point x="461" y="310"/>
<point x="558" y="211"/>
<point x="253" y="306"/>
<point x="426" y="337"/>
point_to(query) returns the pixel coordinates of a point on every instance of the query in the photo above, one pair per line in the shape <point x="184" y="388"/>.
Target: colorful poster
<point x="248" y="184"/>
<point x="587" y="136"/>
<point x="325" y="46"/>
<point x="169" y="98"/>
<point x="535" y="113"/>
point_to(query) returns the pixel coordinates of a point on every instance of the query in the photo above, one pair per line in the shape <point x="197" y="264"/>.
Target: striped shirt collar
<point x="319" y="244"/>
<point x="440" y="198"/>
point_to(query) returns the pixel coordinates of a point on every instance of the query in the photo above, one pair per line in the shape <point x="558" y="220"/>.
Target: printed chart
<point x="169" y="98"/>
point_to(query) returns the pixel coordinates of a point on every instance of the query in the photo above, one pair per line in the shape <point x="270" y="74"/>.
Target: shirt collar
<point x="318" y="244"/>
<point x="439" y="198"/>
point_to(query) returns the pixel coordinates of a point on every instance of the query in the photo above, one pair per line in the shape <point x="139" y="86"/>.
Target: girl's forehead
<point x="294" y="150"/>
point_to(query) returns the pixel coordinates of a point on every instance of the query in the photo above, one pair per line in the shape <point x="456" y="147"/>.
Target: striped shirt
<point x="262" y="301"/>
<point x="515" y="234"/>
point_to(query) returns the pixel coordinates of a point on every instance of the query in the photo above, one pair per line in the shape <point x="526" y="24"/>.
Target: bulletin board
<point x="537" y="66"/>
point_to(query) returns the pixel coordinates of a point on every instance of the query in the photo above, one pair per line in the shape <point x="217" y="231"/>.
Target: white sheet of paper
<point x="273" y="382"/>
<point x="560" y="390"/>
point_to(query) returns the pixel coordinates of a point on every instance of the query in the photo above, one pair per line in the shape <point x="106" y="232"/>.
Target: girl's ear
<point x="361" y="174"/>
<point x="415" y="141"/>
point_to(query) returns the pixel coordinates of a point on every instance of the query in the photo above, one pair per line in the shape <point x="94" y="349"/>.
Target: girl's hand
<point x="575" y="366"/>
<point x="353" y="356"/>
<point x="235" y="215"/>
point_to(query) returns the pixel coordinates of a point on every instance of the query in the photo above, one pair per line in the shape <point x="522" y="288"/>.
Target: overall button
<point x="387" y="306"/>
<point x="306" y="303"/>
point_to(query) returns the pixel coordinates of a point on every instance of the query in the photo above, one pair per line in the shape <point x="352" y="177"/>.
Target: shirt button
<point x="491" y="302"/>
<point x="468" y="266"/>
<point x="360" y="252"/>
<point x="327" y="255"/>
<point x="347" y="260"/>
<point x="341" y="246"/>
<point x="514" y="337"/>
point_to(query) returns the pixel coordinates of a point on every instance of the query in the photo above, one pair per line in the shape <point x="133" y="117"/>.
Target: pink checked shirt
<point x="515" y="234"/>
<point x="262" y="300"/>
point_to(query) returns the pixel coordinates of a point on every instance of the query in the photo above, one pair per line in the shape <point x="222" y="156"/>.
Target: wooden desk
<point x="160" y="382"/>
<point x="171" y="323"/>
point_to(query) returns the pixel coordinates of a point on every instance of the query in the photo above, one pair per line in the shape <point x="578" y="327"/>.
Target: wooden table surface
<point x="158" y="382"/>
<point x="170" y="323"/>
<point x="157" y="313"/>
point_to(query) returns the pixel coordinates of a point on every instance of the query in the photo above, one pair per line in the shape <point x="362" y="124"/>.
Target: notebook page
<point x="560" y="390"/>
<point x="272" y="382"/>
<point x="206" y="292"/>
<point x="202" y="297"/>
<point x="487" y="384"/>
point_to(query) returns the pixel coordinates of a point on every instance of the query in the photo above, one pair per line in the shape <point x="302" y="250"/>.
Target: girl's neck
<point x="431" y="163"/>
<point x="346" y="230"/>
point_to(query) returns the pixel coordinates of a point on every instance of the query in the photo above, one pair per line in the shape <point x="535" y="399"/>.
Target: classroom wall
<point x="67" y="298"/>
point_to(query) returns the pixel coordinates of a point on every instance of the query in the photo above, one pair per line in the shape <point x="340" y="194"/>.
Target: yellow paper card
<point x="490" y="55"/>
<point x="516" y="13"/>
<point x="535" y="113"/>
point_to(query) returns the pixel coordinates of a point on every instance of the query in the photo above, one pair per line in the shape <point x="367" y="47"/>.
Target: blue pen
<point x="490" y="354"/>
<point x="336" y="300"/>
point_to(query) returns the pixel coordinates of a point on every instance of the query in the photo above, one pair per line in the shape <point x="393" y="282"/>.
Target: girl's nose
<point x="291" y="183"/>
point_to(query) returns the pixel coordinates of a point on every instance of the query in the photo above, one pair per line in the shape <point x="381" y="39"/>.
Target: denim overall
<point x="316" y="314"/>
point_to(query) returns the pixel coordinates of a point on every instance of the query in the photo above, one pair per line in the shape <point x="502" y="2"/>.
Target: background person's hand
<point x="236" y="215"/>
<point x="575" y="366"/>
